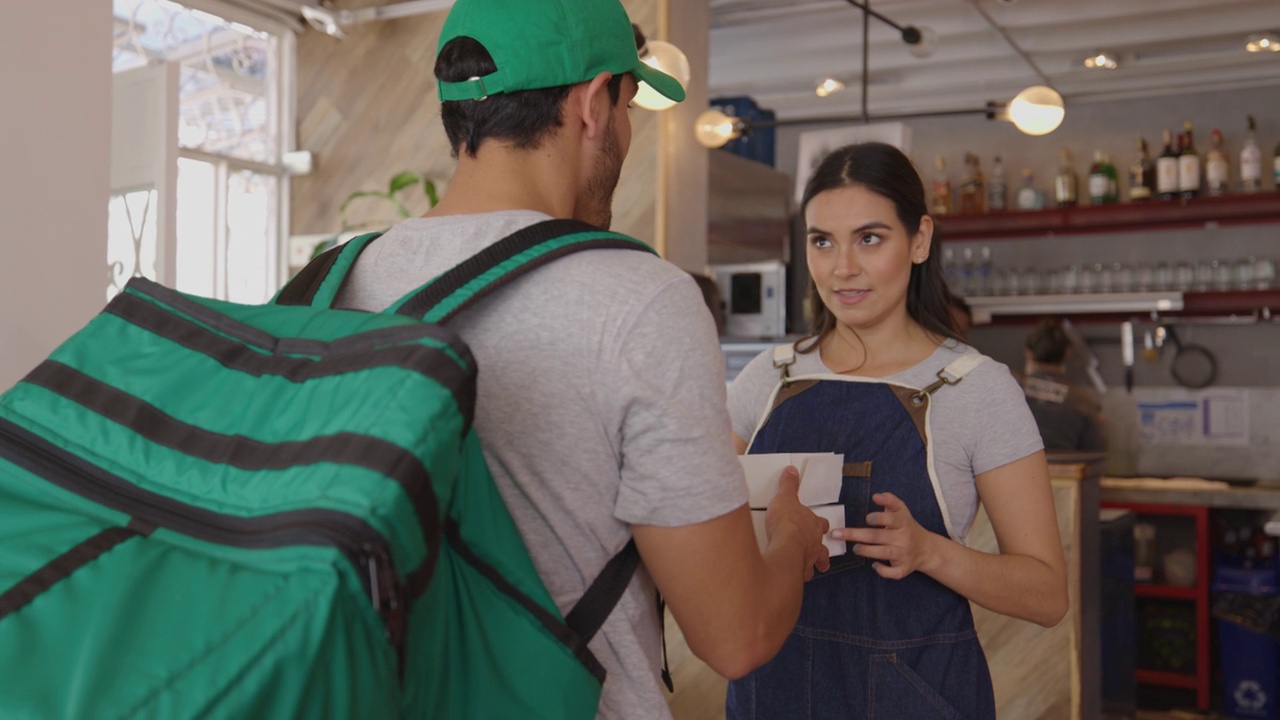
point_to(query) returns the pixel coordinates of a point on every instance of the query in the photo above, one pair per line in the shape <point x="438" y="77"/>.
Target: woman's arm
<point x="1026" y="580"/>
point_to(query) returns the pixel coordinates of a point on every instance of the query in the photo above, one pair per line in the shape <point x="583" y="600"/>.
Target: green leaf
<point x="402" y="181"/>
<point x="430" y="189"/>
<point x="400" y="208"/>
<point x="342" y="209"/>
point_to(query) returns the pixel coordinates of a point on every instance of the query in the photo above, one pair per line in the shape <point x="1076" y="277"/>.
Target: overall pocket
<point x="895" y="691"/>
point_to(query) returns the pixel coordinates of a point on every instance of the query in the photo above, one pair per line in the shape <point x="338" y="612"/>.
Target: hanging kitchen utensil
<point x="1193" y="365"/>
<point x="1126" y="353"/>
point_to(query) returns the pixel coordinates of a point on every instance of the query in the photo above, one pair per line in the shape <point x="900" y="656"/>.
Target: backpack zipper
<point x="363" y="546"/>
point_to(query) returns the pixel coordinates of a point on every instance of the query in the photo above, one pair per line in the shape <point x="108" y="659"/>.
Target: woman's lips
<point x="851" y="297"/>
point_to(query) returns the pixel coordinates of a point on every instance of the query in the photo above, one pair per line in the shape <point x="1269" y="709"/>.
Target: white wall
<point x="55" y="137"/>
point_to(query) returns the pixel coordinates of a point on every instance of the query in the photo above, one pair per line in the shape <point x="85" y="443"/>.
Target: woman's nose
<point x="847" y="264"/>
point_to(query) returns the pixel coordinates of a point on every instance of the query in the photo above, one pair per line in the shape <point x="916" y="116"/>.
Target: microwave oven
<point x="755" y="298"/>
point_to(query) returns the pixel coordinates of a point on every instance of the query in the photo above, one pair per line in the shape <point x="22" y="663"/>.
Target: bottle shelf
<point x="1240" y="209"/>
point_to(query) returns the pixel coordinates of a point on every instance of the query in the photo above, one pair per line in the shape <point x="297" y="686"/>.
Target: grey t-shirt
<point x="601" y="404"/>
<point x="979" y="424"/>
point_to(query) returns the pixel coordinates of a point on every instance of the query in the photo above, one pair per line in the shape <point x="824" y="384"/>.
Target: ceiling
<point x="776" y="51"/>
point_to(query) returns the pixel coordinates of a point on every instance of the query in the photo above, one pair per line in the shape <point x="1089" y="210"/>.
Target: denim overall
<point x="867" y="646"/>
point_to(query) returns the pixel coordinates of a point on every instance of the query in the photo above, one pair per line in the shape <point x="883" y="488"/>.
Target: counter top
<point x="1190" y="491"/>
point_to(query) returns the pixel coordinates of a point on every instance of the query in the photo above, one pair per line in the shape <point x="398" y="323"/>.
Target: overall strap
<point x="444" y="297"/>
<point x="318" y="283"/>
<point x="784" y="356"/>
<point x="951" y="375"/>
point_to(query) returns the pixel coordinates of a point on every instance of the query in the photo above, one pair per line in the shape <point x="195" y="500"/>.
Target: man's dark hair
<point x="1049" y="342"/>
<point x="522" y="118"/>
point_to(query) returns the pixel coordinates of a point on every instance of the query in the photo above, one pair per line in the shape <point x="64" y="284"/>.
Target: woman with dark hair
<point x="928" y="427"/>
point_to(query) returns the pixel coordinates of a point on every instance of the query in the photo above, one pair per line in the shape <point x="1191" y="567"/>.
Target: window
<point x="198" y="186"/>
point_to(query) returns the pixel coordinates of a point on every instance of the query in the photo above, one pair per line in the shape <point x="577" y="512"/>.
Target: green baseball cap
<point x="548" y="43"/>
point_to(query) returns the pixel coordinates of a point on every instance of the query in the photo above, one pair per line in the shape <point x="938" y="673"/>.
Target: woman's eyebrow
<point x="873" y="225"/>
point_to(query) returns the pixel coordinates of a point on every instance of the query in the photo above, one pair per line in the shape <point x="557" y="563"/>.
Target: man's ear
<point x="593" y="104"/>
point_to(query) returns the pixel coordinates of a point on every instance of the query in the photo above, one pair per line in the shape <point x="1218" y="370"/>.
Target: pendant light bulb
<point x="669" y="59"/>
<point x="1038" y="110"/>
<point x="714" y="129"/>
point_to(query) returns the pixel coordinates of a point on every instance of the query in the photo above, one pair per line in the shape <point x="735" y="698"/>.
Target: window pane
<point x="197" y="236"/>
<point x="131" y="238"/>
<point x="251" y="236"/>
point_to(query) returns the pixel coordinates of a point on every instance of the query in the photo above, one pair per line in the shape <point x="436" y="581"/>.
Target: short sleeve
<point x="1003" y="426"/>
<point x="666" y="387"/>
<point x="749" y="393"/>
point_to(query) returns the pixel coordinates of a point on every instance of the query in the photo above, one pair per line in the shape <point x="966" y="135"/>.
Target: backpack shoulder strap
<point x="318" y="283"/>
<point x="591" y="610"/>
<point x="534" y="246"/>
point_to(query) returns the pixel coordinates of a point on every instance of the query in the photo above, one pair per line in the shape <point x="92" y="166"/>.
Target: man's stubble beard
<point x="604" y="179"/>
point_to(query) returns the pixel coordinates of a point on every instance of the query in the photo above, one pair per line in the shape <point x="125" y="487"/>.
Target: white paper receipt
<point x="820" y="479"/>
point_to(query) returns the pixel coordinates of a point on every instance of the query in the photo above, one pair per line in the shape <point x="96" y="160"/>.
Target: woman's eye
<point x="820" y="241"/>
<point x="871" y="239"/>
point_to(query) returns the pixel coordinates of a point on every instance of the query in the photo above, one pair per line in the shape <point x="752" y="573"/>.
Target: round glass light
<point x="1263" y="42"/>
<point x="1038" y="110"/>
<point x="1103" y="60"/>
<point x="669" y="59"/>
<point x="828" y="86"/>
<point x="713" y="129"/>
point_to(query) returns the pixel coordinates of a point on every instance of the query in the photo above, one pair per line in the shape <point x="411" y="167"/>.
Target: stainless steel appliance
<point x="755" y="298"/>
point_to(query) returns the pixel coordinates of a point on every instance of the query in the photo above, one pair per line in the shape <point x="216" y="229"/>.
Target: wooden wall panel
<point x="367" y="109"/>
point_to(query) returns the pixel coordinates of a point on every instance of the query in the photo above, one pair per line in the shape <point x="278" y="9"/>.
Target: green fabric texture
<point x="548" y="43"/>
<point x="200" y="618"/>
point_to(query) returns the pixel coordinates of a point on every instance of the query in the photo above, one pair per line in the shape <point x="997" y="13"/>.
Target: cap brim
<point x="666" y="85"/>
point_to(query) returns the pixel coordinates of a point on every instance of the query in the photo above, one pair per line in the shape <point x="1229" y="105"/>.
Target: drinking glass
<point x="1244" y="273"/>
<point x="1123" y="278"/>
<point x="1264" y="273"/>
<point x="1184" y="277"/>
<point x="1204" y="276"/>
<point x="1221" y="275"/>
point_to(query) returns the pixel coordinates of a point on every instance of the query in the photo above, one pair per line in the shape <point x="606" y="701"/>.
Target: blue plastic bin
<point x="1250" y="660"/>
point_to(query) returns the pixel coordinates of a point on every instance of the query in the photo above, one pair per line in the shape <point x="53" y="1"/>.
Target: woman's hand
<point x="894" y="540"/>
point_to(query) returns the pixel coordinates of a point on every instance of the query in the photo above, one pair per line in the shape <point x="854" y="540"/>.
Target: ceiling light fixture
<point x="1263" y="42"/>
<point x="921" y="41"/>
<point x="828" y="86"/>
<point x="1102" y="60"/>
<point x="1038" y="110"/>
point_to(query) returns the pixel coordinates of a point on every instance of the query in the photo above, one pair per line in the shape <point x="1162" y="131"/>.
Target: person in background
<point x="601" y="393"/>
<point x="712" y="297"/>
<point x="1068" y="421"/>
<point x="961" y="315"/>
<point x="928" y="428"/>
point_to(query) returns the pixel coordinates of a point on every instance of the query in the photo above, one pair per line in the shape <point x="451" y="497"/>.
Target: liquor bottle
<point x="1275" y="165"/>
<point x="1029" y="198"/>
<point x="1142" y="175"/>
<point x="950" y="272"/>
<point x="968" y="272"/>
<point x="1064" y="183"/>
<point x="973" y="193"/>
<point x="1167" y="170"/>
<point x="1102" y="180"/>
<point x="1216" y="167"/>
<point x="1251" y="162"/>
<point x="997" y="195"/>
<point x="940" y="194"/>
<point x="1188" y="165"/>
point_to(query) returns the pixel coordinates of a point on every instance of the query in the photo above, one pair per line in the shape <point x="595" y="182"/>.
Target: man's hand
<point x="789" y="521"/>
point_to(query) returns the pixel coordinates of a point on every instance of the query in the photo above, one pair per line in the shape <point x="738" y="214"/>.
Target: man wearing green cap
<point x="601" y="394"/>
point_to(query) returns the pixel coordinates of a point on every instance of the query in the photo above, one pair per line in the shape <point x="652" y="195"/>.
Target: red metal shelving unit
<point x="1198" y="594"/>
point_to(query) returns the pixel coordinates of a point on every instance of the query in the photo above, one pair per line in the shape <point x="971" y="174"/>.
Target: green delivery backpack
<point x="212" y="510"/>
